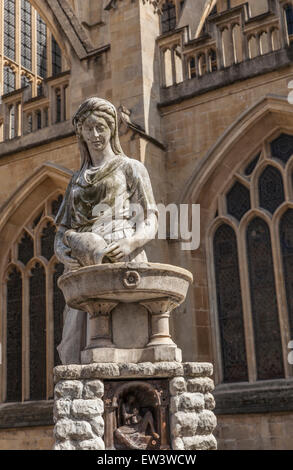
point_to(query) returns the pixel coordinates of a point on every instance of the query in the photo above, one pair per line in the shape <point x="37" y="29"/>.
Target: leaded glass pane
<point x="58" y="105"/>
<point x="39" y="119"/>
<point x="56" y="205"/>
<point x="47" y="241"/>
<point x="286" y="238"/>
<point x="41" y="47"/>
<point x="37" y="219"/>
<point x="271" y="189"/>
<point x="26" y="34"/>
<point x="29" y="123"/>
<point x="14" y="337"/>
<point x="9" y="79"/>
<point x="26" y="249"/>
<point x="46" y="117"/>
<point x="289" y="18"/>
<point x="56" y="57"/>
<point x="168" y="17"/>
<point x="282" y="147"/>
<point x="252" y="165"/>
<point x="238" y="201"/>
<point x="9" y="29"/>
<point x="229" y="302"/>
<point x="58" y="305"/>
<point x="40" y="90"/>
<point x="268" y="346"/>
<point x="37" y="316"/>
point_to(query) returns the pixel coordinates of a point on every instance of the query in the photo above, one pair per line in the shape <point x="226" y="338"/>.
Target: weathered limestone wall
<point x="192" y="127"/>
<point x="19" y="167"/>
<point x="78" y="410"/>
<point x="33" y="438"/>
<point x="271" y="431"/>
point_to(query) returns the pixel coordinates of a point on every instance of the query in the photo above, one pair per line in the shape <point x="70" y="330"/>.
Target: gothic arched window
<point x="41" y="47"/>
<point x="286" y="239"/>
<point x="26" y="34"/>
<point x="37" y="332"/>
<point x="14" y="335"/>
<point x="264" y="306"/>
<point x="33" y="308"/>
<point x="39" y="53"/>
<point x="229" y="300"/>
<point x="253" y="264"/>
<point x="9" y="29"/>
<point x="168" y="17"/>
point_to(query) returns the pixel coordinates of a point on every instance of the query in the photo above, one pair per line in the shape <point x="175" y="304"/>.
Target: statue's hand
<point x="119" y="249"/>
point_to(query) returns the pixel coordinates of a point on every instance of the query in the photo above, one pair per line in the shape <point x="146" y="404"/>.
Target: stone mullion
<point x="246" y="304"/>
<point x="281" y="293"/>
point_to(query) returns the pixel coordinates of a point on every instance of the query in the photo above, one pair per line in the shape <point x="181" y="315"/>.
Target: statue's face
<point x="96" y="132"/>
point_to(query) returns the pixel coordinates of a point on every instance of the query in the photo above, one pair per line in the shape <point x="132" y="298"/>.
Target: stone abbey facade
<point x="202" y="90"/>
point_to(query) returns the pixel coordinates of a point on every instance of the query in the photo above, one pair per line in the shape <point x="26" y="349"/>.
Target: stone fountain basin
<point x="124" y="282"/>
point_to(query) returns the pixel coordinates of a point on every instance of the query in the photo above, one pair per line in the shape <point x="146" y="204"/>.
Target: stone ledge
<point x="26" y="414"/>
<point x="260" y="397"/>
<point x="35" y="139"/>
<point x="227" y="76"/>
<point x="127" y="370"/>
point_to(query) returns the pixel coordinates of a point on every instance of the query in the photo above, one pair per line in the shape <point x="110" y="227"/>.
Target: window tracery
<point x="33" y="308"/>
<point x="261" y="233"/>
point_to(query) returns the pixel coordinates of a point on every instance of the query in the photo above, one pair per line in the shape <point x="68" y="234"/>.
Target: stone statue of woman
<point x="96" y="221"/>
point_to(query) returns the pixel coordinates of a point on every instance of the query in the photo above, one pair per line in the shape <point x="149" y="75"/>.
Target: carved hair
<point x="100" y="108"/>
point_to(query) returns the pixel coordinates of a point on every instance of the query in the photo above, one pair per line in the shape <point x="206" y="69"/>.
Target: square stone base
<point x="164" y="353"/>
<point x="82" y="409"/>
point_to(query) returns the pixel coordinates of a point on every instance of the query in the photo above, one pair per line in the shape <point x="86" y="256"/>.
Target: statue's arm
<point x="63" y="251"/>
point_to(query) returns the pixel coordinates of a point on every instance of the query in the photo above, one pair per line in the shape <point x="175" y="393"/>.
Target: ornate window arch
<point x="252" y="249"/>
<point x="32" y="308"/>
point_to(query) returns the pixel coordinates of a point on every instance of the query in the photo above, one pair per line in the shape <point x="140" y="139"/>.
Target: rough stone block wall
<point x="79" y="407"/>
<point x="78" y="414"/>
<point x="192" y="419"/>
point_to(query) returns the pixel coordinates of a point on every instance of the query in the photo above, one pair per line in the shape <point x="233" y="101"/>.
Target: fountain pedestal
<point x="131" y="390"/>
<point x="128" y="297"/>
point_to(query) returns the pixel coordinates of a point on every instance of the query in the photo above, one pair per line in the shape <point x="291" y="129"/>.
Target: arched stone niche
<point x="136" y="415"/>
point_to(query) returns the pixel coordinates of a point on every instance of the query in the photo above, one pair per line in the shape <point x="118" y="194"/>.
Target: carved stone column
<point x="160" y="315"/>
<point x="100" y="324"/>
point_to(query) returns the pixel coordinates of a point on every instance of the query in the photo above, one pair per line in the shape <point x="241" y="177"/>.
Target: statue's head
<point x="97" y="113"/>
